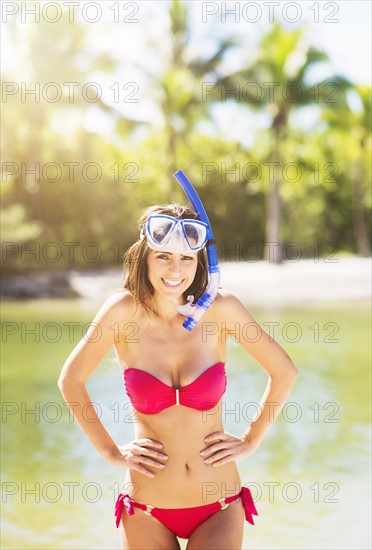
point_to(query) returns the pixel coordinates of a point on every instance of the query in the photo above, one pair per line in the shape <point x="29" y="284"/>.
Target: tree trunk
<point x="273" y="248"/>
<point x="359" y="223"/>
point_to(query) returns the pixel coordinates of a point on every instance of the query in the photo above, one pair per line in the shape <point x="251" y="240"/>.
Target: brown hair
<point x="135" y="260"/>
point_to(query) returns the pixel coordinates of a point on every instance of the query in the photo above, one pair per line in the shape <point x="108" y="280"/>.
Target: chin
<point x="172" y="295"/>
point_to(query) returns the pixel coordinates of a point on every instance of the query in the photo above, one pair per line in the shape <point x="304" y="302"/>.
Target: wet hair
<point x="135" y="267"/>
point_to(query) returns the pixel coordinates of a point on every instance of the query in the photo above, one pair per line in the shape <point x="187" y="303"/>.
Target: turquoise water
<point x="310" y="478"/>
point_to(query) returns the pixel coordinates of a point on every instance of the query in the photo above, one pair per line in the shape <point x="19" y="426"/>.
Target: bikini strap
<point x="125" y="501"/>
<point x="248" y="503"/>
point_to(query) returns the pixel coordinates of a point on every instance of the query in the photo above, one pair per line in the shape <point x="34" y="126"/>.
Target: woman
<point x="182" y="479"/>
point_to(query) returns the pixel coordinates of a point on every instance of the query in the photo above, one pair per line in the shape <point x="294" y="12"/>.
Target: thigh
<point x="220" y="531"/>
<point x="143" y="532"/>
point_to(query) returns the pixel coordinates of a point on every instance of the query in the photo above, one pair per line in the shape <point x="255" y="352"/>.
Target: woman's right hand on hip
<point x="137" y="454"/>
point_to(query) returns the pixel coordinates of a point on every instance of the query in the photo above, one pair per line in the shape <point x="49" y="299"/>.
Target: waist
<point x="183" y="483"/>
<point x="182" y="439"/>
<point x="186" y="476"/>
<point x="183" y="488"/>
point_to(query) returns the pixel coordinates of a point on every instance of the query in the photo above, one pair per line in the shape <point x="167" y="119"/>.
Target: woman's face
<point x="170" y="273"/>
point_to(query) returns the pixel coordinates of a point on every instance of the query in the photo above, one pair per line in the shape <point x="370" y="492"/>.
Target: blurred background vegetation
<point x="227" y="103"/>
<point x="320" y="192"/>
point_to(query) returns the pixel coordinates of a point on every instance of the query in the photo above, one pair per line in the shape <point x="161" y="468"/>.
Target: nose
<point x="175" y="266"/>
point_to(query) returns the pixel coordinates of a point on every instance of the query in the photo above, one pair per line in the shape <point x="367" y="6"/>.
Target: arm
<point x="282" y="373"/>
<point x="80" y="365"/>
<point x="273" y="359"/>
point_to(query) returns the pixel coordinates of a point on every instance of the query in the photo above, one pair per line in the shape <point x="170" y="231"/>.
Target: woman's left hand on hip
<point x="223" y="447"/>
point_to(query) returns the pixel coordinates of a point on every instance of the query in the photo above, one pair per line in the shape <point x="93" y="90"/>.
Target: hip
<point x="181" y="484"/>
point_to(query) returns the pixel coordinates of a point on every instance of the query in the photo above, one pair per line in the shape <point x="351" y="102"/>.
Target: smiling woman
<point x="147" y="255"/>
<point x="175" y="380"/>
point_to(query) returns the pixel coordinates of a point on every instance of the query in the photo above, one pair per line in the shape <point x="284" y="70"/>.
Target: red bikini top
<point x="150" y="395"/>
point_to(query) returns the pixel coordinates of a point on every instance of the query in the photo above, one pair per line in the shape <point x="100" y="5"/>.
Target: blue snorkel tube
<point x="194" y="312"/>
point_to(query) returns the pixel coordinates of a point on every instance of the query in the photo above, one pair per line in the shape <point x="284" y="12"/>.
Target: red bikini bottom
<point x="183" y="521"/>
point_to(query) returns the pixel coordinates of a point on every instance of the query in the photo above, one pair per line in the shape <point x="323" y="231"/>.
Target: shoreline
<point x="260" y="283"/>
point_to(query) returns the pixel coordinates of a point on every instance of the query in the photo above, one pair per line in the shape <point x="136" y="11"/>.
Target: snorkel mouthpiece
<point x="194" y="312"/>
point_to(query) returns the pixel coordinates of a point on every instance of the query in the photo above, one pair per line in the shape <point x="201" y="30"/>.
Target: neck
<point x="166" y="309"/>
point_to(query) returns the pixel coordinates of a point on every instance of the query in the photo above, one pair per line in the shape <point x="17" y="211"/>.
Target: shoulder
<point x="227" y="305"/>
<point x="120" y="305"/>
<point x="226" y="300"/>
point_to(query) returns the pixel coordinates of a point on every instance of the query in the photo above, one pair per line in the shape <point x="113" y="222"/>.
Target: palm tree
<point x="353" y="126"/>
<point x="48" y="52"/>
<point x="280" y="72"/>
<point x="178" y="88"/>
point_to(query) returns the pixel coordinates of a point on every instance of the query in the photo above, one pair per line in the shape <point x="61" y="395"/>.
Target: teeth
<point x="172" y="283"/>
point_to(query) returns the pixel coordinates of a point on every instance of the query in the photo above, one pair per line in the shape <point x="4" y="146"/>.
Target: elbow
<point x="288" y="372"/>
<point x="292" y="371"/>
<point x="62" y="383"/>
<point x="284" y="376"/>
<point x="69" y="377"/>
<point x="68" y="383"/>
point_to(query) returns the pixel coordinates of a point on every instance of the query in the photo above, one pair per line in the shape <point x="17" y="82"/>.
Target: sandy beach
<point x="345" y="278"/>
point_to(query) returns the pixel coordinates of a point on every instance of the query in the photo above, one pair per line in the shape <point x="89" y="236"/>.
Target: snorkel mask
<point x="194" y="312"/>
<point x="187" y="236"/>
<point x="182" y="236"/>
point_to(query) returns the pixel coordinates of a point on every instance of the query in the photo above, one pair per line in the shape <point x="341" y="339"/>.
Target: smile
<point x="173" y="284"/>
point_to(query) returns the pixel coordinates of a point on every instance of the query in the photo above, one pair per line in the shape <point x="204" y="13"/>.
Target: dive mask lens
<point x="195" y="233"/>
<point x="164" y="232"/>
<point x="159" y="228"/>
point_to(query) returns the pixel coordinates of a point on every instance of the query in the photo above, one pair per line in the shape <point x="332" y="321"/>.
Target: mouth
<point x="172" y="284"/>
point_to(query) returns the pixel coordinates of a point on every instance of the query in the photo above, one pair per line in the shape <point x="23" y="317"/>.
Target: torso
<point x="177" y="357"/>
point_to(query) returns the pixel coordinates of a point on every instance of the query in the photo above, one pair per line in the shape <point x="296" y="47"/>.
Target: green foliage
<point x="14" y="226"/>
<point x="329" y="203"/>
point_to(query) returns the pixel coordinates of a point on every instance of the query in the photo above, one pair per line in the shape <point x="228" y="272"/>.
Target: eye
<point x="187" y="258"/>
<point x="163" y="257"/>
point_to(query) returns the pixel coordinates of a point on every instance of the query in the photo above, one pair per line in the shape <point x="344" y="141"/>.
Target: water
<point x="310" y="478"/>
